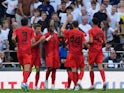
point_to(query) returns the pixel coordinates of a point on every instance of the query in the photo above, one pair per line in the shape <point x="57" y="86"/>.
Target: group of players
<point x="28" y="43"/>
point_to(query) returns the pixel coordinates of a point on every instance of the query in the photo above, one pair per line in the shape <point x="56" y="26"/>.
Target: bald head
<point x="14" y="25"/>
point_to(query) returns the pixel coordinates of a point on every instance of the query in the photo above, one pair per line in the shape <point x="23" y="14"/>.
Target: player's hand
<point x="48" y="38"/>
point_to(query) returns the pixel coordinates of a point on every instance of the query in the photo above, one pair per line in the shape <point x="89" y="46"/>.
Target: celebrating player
<point x="51" y="53"/>
<point x="75" y="59"/>
<point x="36" y="52"/>
<point x="25" y="38"/>
<point x="95" y="55"/>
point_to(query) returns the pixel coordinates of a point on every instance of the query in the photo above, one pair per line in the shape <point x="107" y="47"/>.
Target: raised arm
<point x="64" y="26"/>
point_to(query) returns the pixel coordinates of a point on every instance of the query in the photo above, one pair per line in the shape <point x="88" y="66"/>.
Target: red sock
<point x="37" y="78"/>
<point x="102" y="75"/>
<point x="69" y="82"/>
<point x="47" y="74"/>
<point x="70" y="78"/>
<point x="75" y="78"/>
<point x="25" y="76"/>
<point x="92" y="77"/>
<point x="53" y="76"/>
<point x="80" y="76"/>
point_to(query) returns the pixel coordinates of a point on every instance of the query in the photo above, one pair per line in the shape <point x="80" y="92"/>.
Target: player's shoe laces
<point x="46" y="84"/>
<point x="104" y="86"/>
<point x="24" y="86"/>
<point x="91" y="88"/>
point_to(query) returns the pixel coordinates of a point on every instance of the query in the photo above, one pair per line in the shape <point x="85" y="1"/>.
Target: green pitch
<point x="61" y="91"/>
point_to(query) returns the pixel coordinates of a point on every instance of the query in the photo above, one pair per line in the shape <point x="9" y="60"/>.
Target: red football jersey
<point x="52" y="46"/>
<point x="75" y="40"/>
<point x="36" y="49"/>
<point x="98" y="35"/>
<point x="24" y="36"/>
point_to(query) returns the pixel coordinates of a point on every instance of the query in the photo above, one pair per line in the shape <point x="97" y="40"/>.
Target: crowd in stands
<point x="109" y="12"/>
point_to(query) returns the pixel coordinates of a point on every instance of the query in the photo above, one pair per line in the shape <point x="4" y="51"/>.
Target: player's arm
<point x="14" y="38"/>
<point x="42" y="39"/>
<point x="63" y="28"/>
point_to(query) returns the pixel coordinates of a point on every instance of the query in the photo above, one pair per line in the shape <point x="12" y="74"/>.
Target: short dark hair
<point x="24" y="21"/>
<point x="95" y="21"/>
<point x="75" y="24"/>
<point x="36" y="25"/>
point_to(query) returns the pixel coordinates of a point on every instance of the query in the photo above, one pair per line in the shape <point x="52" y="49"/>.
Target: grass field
<point x="61" y="91"/>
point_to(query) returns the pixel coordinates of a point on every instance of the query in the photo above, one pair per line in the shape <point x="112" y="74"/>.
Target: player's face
<point x="38" y="30"/>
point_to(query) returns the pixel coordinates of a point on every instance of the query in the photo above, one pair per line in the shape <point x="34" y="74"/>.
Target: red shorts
<point x="95" y="57"/>
<point x="24" y="58"/>
<point x="53" y="62"/>
<point x="74" y="60"/>
<point x="36" y="61"/>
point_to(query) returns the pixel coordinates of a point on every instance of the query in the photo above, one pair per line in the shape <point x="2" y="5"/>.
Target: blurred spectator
<point x="2" y="12"/>
<point x="121" y="16"/>
<point x="23" y="10"/>
<point x="46" y="7"/>
<point x="114" y="2"/>
<point x="56" y="21"/>
<point x="111" y="60"/>
<point x="43" y="22"/>
<point x="12" y="46"/>
<point x="122" y="62"/>
<point x="114" y="18"/>
<point x="2" y="58"/>
<point x="36" y="17"/>
<point x="63" y="52"/>
<point x="64" y="17"/>
<point x="76" y="11"/>
<point x="68" y="2"/>
<point x="55" y="4"/>
<point x="70" y="19"/>
<point x="4" y="36"/>
<point x="85" y="27"/>
<point x="11" y="6"/>
<point x="100" y="14"/>
<point x="84" y="13"/>
<point x="62" y="10"/>
<point x="94" y="8"/>
<point x="106" y="50"/>
<point x="79" y="3"/>
<point x="108" y="6"/>
<point x="36" y="4"/>
<point x="107" y="30"/>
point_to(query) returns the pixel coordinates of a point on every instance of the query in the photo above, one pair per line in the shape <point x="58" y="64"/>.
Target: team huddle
<point x="28" y="52"/>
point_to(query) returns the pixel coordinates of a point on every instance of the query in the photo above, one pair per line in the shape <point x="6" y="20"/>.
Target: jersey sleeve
<point x="83" y="37"/>
<point x="66" y="34"/>
<point x="32" y="34"/>
<point x="15" y="32"/>
<point x="90" y="33"/>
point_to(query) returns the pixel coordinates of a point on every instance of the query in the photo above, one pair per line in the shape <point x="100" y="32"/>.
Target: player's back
<point x="76" y="39"/>
<point x="98" y="37"/>
<point x="24" y="35"/>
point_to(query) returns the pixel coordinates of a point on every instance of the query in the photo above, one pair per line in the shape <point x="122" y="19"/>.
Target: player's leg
<point x="91" y="76"/>
<point x="75" y="78"/>
<point x="100" y="67"/>
<point x="80" y="76"/>
<point x="53" y="76"/>
<point x="70" y="77"/>
<point x="37" y="76"/>
<point x="26" y="73"/>
<point x="49" y="69"/>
